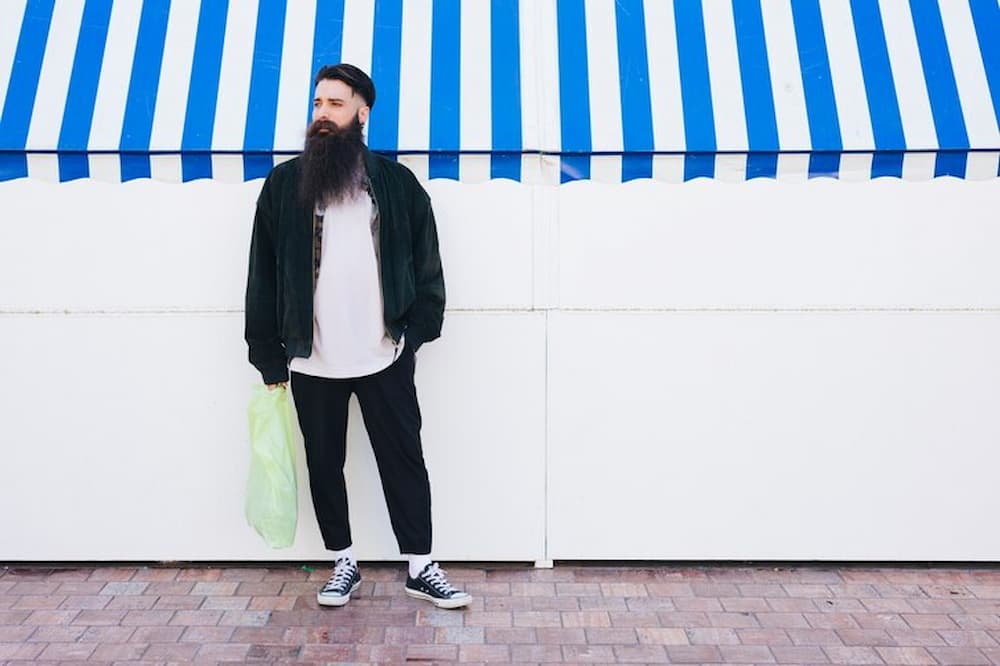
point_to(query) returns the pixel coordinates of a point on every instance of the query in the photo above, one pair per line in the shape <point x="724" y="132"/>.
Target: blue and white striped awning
<point x="532" y="90"/>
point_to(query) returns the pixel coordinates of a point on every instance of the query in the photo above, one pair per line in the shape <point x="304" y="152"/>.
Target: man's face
<point x="336" y="102"/>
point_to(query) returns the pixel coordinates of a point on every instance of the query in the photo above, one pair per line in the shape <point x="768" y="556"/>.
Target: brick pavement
<point x="569" y="614"/>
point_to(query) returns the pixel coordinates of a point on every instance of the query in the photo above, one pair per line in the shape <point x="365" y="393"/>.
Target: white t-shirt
<point x="349" y="336"/>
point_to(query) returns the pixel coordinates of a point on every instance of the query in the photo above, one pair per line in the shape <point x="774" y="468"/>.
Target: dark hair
<point x="359" y="82"/>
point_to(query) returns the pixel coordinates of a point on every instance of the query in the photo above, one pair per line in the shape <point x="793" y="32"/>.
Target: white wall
<point x="789" y="370"/>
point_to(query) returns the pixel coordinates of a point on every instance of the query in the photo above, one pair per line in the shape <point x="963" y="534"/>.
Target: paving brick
<point x="85" y="602"/>
<point x="584" y="654"/>
<point x="808" y="591"/>
<point x="870" y="637"/>
<point x="207" y="634"/>
<point x="733" y="620"/>
<point x="661" y="636"/>
<point x="56" y="634"/>
<point x="762" y="590"/>
<point x="554" y="603"/>
<point x="537" y="619"/>
<point x="217" y="588"/>
<point x="224" y="651"/>
<point x="916" y="637"/>
<point x="586" y="619"/>
<point x="706" y="604"/>
<point x="744" y="604"/>
<point x="578" y="589"/>
<point x="928" y="621"/>
<point x="977" y="621"/>
<point x="146" y="618"/>
<point x="488" y="619"/>
<point x="35" y="587"/>
<point x="639" y="654"/>
<point x="484" y="653"/>
<point x="610" y="636"/>
<point x="241" y="574"/>
<point x="799" y="655"/>
<point x="763" y="637"/>
<point x="791" y="605"/>
<point x="634" y="619"/>
<point x="225" y="603"/>
<point x="756" y="654"/>
<point x="15" y="633"/>
<point x="272" y="653"/>
<point x="813" y="636"/>
<point x="905" y="655"/>
<point x="887" y="605"/>
<point x="513" y="635"/>
<point x="156" y="634"/>
<point x="852" y="655"/>
<point x="245" y="618"/>
<point x="205" y="574"/>
<point x="131" y="603"/>
<point x="508" y="604"/>
<point x="118" y="651"/>
<point x="110" y="574"/>
<point x="973" y="638"/>
<point x="540" y="654"/>
<point x="637" y="604"/>
<point x="879" y="621"/>
<point x="51" y="616"/>
<point x="327" y="653"/>
<point x="783" y="620"/>
<point x="958" y="656"/>
<point x="8" y="617"/>
<point x="376" y="654"/>
<point x="431" y="652"/>
<point x="106" y="634"/>
<point x="712" y="636"/>
<point x="38" y="602"/>
<point x="714" y="589"/>
<point x="275" y="603"/>
<point x="122" y="588"/>
<point x="532" y="589"/>
<point x="435" y="617"/>
<point x="669" y="590"/>
<point x="694" y="654"/>
<point x="66" y="651"/>
<point x="461" y="635"/>
<point x="683" y="619"/>
<point x="624" y="590"/>
<point x="155" y="574"/>
<point x="170" y="587"/>
<point x="560" y="636"/>
<point x="20" y="650"/>
<point x="407" y="635"/>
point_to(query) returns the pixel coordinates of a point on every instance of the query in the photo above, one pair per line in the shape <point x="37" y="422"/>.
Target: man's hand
<point x="271" y="387"/>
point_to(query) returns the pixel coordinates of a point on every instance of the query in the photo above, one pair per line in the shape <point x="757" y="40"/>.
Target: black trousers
<point x="391" y="415"/>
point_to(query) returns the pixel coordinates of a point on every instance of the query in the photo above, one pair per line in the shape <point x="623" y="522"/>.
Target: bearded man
<point x="345" y="284"/>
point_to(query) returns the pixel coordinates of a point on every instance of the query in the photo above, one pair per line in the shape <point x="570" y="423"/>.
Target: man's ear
<point x="363" y="114"/>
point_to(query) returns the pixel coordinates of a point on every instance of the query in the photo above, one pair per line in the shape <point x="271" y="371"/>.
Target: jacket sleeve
<point x="426" y="315"/>
<point x="262" y="331"/>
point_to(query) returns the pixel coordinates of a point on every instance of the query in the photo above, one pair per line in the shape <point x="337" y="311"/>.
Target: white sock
<point x="417" y="564"/>
<point x="347" y="552"/>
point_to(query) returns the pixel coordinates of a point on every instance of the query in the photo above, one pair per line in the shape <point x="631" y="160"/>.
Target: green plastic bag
<point x="272" y="493"/>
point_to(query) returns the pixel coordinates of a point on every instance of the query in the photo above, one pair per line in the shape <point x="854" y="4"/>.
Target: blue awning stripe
<point x="327" y="38"/>
<point x="16" y="117"/>
<point x="664" y="86"/>
<point x="505" y="88"/>
<point x="696" y="89"/>
<point x="758" y="96"/>
<point x="633" y="72"/>
<point x="945" y="106"/>
<point x="137" y="127"/>
<point x="986" y="17"/>
<point x="446" y="56"/>
<point x="883" y="104"/>
<point x="383" y="133"/>
<point x="574" y="90"/>
<point x="821" y="105"/>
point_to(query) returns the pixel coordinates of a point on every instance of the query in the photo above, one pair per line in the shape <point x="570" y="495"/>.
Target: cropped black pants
<point x="391" y="416"/>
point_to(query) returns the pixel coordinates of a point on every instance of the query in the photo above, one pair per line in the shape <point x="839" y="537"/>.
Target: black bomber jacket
<point x="280" y="281"/>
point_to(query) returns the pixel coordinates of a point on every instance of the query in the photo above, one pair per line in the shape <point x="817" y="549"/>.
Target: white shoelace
<point x="343" y="573"/>
<point x="435" y="576"/>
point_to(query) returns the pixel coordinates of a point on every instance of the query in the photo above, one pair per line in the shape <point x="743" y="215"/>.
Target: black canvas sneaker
<point x="431" y="585"/>
<point x="344" y="580"/>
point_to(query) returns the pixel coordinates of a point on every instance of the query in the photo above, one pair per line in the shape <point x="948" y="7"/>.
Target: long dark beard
<point x="331" y="163"/>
